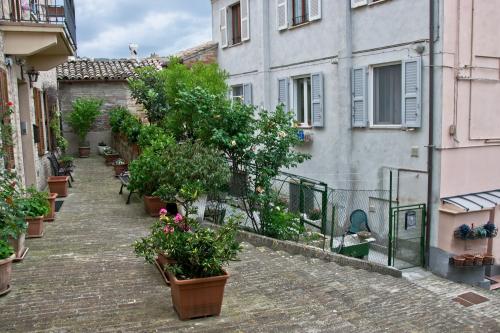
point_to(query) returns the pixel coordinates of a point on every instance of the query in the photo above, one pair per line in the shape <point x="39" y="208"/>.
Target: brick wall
<point x="113" y="94"/>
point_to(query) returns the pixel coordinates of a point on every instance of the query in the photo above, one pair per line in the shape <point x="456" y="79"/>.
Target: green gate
<point x="407" y="236"/>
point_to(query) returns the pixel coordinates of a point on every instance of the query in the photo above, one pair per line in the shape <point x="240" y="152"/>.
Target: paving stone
<point x="84" y="277"/>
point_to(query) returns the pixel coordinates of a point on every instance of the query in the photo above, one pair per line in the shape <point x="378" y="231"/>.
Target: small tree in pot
<point x="85" y="112"/>
<point x="196" y="256"/>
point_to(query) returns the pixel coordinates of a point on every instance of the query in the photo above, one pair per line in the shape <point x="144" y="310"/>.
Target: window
<point x="237" y="93"/>
<point x="302" y="100"/>
<point x="387" y="101"/>
<point x="306" y="98"/>
<point x="5" y="119"/>
<point x="235" y="24"/>
<point x="394" y="98"/>
<point x="242" y="93"/>
<point x="300" y="11"/>
<point x="39" y="135"/>
<point x="296" y="12"/>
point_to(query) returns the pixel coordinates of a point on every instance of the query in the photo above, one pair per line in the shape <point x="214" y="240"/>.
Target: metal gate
<point x="407" y="236"/>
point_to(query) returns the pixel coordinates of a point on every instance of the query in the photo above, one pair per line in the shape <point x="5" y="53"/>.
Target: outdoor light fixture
<point x="33" y="76"/>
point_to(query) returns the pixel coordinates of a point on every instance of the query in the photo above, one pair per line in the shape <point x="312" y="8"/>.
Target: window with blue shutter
<point x="359" y="99"/>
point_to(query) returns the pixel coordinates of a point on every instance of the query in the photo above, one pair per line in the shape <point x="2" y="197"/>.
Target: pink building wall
<point x="470" y="140"/>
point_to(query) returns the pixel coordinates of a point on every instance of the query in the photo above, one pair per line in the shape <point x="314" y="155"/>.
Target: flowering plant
<point x="119" y="161"/>
<point x="197" y="251"/>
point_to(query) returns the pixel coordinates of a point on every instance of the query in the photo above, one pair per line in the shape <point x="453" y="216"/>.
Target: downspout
<point x="430" y="146"/>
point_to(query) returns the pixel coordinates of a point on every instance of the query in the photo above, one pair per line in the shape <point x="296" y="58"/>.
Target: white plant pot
<point x="101" y="149"/>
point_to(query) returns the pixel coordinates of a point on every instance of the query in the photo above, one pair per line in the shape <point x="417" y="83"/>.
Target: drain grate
<point x="470" y="298"/>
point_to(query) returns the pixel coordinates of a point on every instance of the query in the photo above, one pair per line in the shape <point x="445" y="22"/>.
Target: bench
<point x="124" y="178"/>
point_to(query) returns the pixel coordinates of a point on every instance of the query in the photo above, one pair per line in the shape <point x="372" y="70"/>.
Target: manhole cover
<point x="470" y="298"/>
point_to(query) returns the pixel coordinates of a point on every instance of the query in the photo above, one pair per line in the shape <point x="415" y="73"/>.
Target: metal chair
<point x="58" y="170"/>
<point x="359" y="222"/>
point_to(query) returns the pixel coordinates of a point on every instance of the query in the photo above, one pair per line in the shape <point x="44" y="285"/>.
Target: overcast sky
<point x="105" y="28"/>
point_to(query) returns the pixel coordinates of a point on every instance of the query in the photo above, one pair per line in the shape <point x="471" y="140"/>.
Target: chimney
<point x="133" y="50"/>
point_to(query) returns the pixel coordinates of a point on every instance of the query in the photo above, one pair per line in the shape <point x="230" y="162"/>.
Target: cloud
<point x="105" y="29"/>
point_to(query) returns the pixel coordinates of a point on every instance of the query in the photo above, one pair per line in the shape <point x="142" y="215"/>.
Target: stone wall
<point x="114" y="93"/>
<point x="127" y="151"/>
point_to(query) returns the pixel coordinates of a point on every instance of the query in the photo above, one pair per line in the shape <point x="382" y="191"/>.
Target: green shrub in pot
<point x="85" y="112"/>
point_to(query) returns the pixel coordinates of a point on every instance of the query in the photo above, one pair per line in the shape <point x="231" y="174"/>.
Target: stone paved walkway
<point x="83" y="277"/>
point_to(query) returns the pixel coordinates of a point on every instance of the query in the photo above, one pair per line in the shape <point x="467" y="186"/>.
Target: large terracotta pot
<point x="52" y="205"/>
<point x="110" y="158"/>
<point x="152" y="205"/>
<point x="18" y="245"/>
<point x="59" y="185"/>
<point x="5" y="274"/>
<point x="35" y="227"/>
<point x="197" y="297"/>
<point x="84" y="152"/>
<point x="119" y="169"/>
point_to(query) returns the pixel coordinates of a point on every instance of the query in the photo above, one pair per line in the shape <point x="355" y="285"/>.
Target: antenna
<point x="133" y="50"/>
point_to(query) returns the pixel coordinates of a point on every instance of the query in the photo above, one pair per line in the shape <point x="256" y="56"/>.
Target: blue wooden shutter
<point x="245" y="20"/>
<point x="359" y="99"/>
<point x="282" y="14"/>
<point x="314" y="10"/>
<point x="283" y="89"/>
<point x="412" y="91"/>
<point x="223" y="27"/>
<point x="317" y="109"/>
<point x="247" y="93"/>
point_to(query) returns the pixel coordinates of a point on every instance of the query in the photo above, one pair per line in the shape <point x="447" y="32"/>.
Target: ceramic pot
<point x="59" y="185"/>
<point x="5" y="274"/>
<point x="84" y="152"/>
<point x="52" y="205"/>
<point x="35" y="227"/>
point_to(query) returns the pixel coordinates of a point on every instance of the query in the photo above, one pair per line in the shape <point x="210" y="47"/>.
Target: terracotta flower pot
<point x="18" y="245"/>
<point x="152" y="205"/>
<point x="478" y="260"/>
<point x="35" y="227"/>
<point x="110" y="158"/>
<point x="488" y="259"/>
<point x="59" y="185"/>
<point x="52" y="205"/>
<point x="469" y="260"/>
<point x="164" y="260"/>
<point x="458" y="261"/>
<point x="84" y="152"/>
<point x="5" y="274"/>
<point x="197" y="297"/>
<point x="119" y="169"/>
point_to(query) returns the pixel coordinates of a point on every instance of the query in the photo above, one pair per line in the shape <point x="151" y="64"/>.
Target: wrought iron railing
<point x="60" y="12"/>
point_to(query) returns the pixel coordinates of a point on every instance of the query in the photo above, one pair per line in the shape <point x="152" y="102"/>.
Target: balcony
<point x="42" y="31"/>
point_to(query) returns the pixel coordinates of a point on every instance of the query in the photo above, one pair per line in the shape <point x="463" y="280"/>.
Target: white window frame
<point x="371" y="95"/>
<point x="241" y="97"/>
<point x="294" y="95"/>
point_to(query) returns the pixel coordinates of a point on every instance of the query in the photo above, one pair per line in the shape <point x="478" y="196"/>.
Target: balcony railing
<point x="60" y="12"/>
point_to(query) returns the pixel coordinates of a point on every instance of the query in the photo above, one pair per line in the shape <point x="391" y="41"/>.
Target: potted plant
<point x="34" y="206"/>
<point x="12" y="221"/>
<point x="85" y="112"/>
<point x="120" y="166"/>
<point x="66" y="161"/>
<point x="145" y="176"/>
<point x="110" y="155"/>
<point x="101" y="146"/>
<point x="52" y="207"/>
<point x="197" y="257"/>
<point x="59" y="185"/>
<point x="6" y="257"/>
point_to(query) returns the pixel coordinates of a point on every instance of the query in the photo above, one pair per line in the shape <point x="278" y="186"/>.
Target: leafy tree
<point x="85" y="112"/>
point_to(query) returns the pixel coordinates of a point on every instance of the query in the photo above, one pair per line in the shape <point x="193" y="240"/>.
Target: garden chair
<point x="359" y="222"/>
<point x="58" y="170"/>
<point x="124" y="178"/>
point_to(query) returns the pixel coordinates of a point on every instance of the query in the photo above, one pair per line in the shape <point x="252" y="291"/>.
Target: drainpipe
<point x="430" y="146"/>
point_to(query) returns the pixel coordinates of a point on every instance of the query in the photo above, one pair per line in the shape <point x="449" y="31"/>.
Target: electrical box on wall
<point x="24" y="129"/>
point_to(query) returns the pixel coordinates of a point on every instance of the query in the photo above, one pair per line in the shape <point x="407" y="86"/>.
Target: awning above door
<point x="474" y="202"/>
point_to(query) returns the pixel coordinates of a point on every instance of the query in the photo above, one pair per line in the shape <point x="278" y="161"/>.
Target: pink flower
<point x="10" y="103"/>
<point x="168" y="229"/>
<point x="178" y="218"/>
<point x="163" y="211"/>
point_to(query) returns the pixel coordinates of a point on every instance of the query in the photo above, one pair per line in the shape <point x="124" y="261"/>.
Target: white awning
<point x="474" y="202"/>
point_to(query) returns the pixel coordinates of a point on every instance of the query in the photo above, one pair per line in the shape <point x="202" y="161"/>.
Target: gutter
<point x="430" y="146"/>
